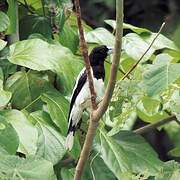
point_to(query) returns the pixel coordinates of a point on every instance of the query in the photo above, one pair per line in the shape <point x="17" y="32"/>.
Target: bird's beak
<point x="110" y="50"/>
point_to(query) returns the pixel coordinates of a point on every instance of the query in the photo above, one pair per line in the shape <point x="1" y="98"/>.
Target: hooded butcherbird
<point x="81" y="98"/>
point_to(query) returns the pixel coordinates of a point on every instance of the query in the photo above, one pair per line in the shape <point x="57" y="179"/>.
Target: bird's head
<point x="99" y="54"/>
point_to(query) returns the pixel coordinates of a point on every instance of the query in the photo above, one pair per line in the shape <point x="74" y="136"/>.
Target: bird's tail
<point x="69" y="140"/>
<point x="70" y="137"/>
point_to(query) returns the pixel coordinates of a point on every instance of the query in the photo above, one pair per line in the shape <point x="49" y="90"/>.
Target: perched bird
<point x="81" y="98"/>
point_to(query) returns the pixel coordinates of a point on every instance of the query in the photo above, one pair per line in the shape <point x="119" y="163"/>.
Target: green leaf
<point x="26" y="87"/>
<point x="12" y="14"/>
<point x="112" y="153"/>
<point x="140" y="154"/>
<point x="13" y="167"/>
<point x="30" y="53"/>
<point x="36" y="4"/>
<point x="35" y="24"/>
<point x="9" y="140"/>
<point x="160" y="75"/>
<point x="100" y="36"/>
<point x="169" y="171"/>
<point x="58" y="109"/>
<point x="135" y="46"/>
<point x="27" y="133"/>
<point x="175" y="152"/>
<point x="50" y="143"/>
<point x="67" y="174"/>
<point x="136" y="29"/>
<point x="5" y="97"/>
<point x="69" y="38"/>
<point x="161" y="42"/>
<point x="4" y="21"/>
<point x="2" y="44"/>
<point x="100" y="170"/>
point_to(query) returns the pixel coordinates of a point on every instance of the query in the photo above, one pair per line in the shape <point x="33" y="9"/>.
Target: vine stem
<point x="135" y="65"/>
<point x="97" y="113"/>
<point x="149" y="127"/>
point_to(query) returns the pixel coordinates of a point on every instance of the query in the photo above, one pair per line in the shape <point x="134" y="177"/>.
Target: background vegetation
<point x="39" y="62"/>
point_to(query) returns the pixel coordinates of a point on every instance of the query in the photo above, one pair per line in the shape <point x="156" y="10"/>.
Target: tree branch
<point x="135" y="65"/>
<point x="97" y="114"/>
<point x="85" y="55"/>
<point x="152" y="126"/>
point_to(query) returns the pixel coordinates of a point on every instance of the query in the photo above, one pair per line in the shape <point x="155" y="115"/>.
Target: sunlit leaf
<point x="113" y="154"/>
<point x="26" y="131"/>
<point x="136" y="29"/>
<point x="2" y="44"/>
<point x="160" y="75"/>
<point x="58" y="109"/>
<point x="4" y="21"/>
<point x="30" y="168"/>
<point x="100" y="36"/>
<point x="140" y="154"/>
<point x="50" y="143"/>
<point x="38" y="55"/>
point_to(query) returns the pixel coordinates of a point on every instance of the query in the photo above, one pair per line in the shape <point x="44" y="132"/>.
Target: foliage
<point x="37" y="74"/>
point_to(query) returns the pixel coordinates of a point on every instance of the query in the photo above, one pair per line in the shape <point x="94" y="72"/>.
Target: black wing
<point x="79" y="86"/>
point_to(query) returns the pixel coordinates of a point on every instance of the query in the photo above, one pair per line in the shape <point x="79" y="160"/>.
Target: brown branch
<point x="85" y="55"/>
<point x="135" y="65"/>
<point x="152" y="126"/>
<point x="97" y="114"/>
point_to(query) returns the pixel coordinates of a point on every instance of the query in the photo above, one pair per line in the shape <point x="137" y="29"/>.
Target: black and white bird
<point x="81" y="99"/>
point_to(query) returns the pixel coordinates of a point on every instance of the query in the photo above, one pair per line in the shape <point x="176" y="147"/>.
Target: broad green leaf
<point x="36" y="4"/>
<point x="38" y="55"/>
<point x="174" y="103"/>
<point x="99" y="169"/>
<point x="135" y="46"/>
<point x="161" y="42"/>
<point x="173" y="130"/>
<point x="27" y="133"/>
<point x="34" y="24"/>
<point x="67" y="174"/>
<point x="5" y="97"/>
<point x="50" y="143"/>
<point x="160" y="75"/>
<point x="2" y="44"/>
<point x="12" y="14"/>
<point x="58" y="109"/>
<point x="9" y="140"/>
<point x="169" y="171"/>
<point x="175" y="152"/>
<point x="4" y="21"/>
<point x="100" y="36"/>
<point x="7" y="67"/>
<point x="140" y="154"/>
<point x="136" y="29"/>
<point x="112" y="153"/>
<point x="26" y="87"/>
<point x="13" y="167"/>
<point x="69" y="38"/>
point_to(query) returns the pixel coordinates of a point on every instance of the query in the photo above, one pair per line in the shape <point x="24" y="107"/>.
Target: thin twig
<point x="85" y="55"/>
<point x="135" y="65"/>
<point x="149" y="127"/>
<point x="97" y="114"/>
